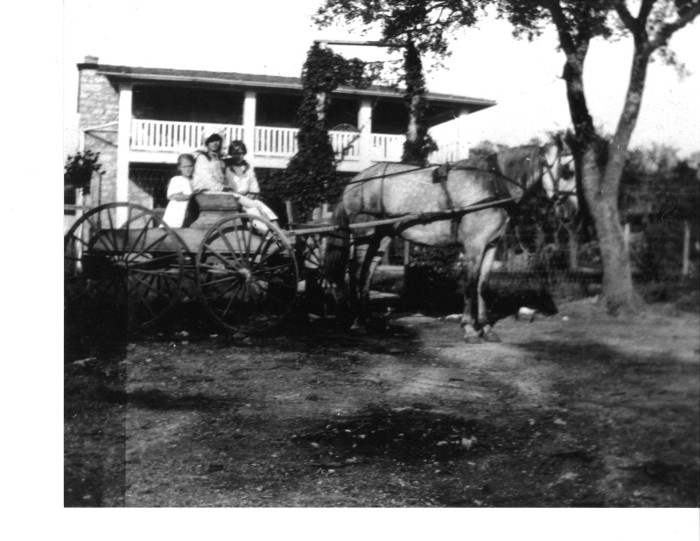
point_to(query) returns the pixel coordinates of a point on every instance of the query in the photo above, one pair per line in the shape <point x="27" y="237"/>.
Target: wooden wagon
<point x="245" y="270"/>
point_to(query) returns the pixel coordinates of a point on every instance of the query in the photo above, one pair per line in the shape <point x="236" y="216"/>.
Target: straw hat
<point x="212" y="136"/>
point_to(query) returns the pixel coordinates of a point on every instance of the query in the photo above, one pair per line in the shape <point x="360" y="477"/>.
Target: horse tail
<point x="337" y="253"/>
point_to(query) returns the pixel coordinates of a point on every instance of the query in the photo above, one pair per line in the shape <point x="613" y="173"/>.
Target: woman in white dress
<point x="240" y="179"/>
<point x="208" y="166"/>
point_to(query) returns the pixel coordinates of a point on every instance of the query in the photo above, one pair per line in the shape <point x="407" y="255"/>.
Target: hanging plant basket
<point x="79" y="168"/>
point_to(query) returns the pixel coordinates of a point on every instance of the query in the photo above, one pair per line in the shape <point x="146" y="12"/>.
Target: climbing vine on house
<point x="419" y="144"/>
<point x="311" y="178"/>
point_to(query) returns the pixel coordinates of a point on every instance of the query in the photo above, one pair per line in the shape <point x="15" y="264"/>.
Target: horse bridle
<point x="559" y="195"/>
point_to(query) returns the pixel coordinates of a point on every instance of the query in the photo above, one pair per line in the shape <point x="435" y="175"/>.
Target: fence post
<point x="686" y="249"/>
<point x="290" y="211"/>
<point x="572" y="244"/>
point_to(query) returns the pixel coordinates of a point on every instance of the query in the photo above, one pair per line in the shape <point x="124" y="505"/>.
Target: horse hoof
<point x="472" y="339"/>
<point x="491" y="336"/>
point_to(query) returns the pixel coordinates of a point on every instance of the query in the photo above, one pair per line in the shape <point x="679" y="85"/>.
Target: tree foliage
<point x="418" y="28"/>
<point x="658" y="186"/>
<point x="428" y="23"/>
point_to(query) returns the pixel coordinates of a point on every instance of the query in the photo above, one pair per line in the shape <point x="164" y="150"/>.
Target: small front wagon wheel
<point x="246" y="274"/>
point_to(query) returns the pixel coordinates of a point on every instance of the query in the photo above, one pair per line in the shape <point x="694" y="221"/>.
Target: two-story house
<point x="140" y="119"/>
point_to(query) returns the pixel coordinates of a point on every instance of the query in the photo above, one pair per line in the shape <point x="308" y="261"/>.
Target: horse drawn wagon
<point x="249" y="273"/>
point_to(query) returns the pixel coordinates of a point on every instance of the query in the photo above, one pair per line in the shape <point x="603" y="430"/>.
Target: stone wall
<point x="98" y="104"/>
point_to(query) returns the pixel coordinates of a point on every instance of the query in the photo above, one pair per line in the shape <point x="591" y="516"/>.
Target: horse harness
<point x="441" y="174"/>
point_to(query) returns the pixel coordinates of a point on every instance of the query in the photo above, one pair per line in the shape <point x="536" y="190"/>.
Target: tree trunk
<point x="600" y="183"/>
<point x="618" y="292"/>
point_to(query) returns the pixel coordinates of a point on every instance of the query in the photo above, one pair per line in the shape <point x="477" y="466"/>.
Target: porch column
<point x="463" y="142"/>
<point x="364" y="123"/>
<point x="249" y="107"/>
<point x="123" y="146"/>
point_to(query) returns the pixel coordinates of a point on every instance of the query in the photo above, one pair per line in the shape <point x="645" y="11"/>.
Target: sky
<point x="272" y="37"/>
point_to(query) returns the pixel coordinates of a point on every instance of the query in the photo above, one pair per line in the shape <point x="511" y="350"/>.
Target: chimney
<point x="91" y="62"/>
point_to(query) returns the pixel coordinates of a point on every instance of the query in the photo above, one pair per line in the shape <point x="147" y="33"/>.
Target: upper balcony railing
<point x="167" y="136"/>
<point x="177" y="137"/>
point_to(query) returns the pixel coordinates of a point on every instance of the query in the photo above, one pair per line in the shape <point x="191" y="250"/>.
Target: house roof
<point x="248" y="80"/>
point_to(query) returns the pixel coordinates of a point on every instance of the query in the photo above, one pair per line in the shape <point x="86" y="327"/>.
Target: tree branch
<point x="565" y="38"/>
<point x="627" y="19"/>
<point x="644" y="11"/>
<point x="668" y="29"/>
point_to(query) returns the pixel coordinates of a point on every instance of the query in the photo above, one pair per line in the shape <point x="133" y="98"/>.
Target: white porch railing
<point x="167" y="136"/>
<point x="447" y="152"/>
<point x="347" y="142"/>
<point x="390" y="148"/>
<point x="280" y="142"/>
<point x="386" y="148"/>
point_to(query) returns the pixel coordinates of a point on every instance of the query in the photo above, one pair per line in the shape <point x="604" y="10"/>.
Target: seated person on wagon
<point x="239" y="178"/>
<point x="208" y="166"/>
<point x="180" y="192"/>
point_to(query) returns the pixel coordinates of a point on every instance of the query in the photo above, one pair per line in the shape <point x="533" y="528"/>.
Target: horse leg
<point x="469" y="319"/>
<point x="369" y="261"/>
<point x="489" y="335"/>
<point x="354" y="265"/>
<point x="374" y="257"/>
<point x="479" y="233"/>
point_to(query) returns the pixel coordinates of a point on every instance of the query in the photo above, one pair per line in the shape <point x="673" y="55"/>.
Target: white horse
<point x="465" y="202"/>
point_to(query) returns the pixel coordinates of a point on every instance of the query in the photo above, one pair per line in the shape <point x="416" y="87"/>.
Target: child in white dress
<point x="179" y="192"/>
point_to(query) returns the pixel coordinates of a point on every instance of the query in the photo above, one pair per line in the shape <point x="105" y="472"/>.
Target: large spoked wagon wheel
<point x="322" y="297"/>
<point x="246" y="274"/>
<point x="122" y="261"/>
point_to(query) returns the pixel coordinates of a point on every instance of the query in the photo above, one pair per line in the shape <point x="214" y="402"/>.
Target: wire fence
<point x="531" y="269"/>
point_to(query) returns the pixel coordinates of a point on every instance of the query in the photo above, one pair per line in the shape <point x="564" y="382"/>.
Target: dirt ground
<point x="575" y="409"/>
